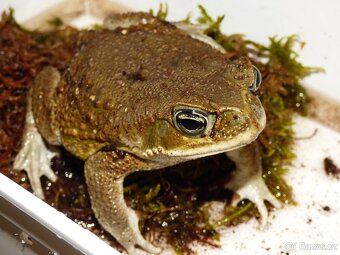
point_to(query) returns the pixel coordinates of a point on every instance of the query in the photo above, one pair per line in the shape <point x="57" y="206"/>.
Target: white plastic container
<point x="48" y="229"/>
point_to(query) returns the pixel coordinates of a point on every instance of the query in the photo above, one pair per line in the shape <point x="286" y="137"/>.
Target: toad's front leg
<point x="105" y="173"/>
<point x="247" y="179"/>
<point x="35" y="156"/>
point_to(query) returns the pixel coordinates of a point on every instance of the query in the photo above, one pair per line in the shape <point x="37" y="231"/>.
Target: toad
<point x="143" y="94"/>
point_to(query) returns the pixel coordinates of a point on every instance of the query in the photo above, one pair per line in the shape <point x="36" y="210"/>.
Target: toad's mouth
<point x="213" y="149"/>
<point x="198" y="154"/>
<point x="206" y="151"/>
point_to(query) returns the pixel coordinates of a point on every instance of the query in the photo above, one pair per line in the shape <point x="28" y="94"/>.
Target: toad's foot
<point x="247" y="180"/>
<point x="257" y="192"/>
<point x="105" y="173"/>
<point x="136" y="239"/>
<point x="34" y="157"/>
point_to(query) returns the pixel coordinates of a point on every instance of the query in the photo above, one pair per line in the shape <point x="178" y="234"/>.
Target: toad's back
<point x="126" y="78"/>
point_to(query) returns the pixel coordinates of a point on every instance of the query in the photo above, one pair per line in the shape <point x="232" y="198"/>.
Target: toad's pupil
<point x="191" y="124"/>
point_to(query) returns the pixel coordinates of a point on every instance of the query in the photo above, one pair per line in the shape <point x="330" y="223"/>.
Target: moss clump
<point x="162" y="12"/>
<point x="56" y="22"/>
<point x="172" y="203"/>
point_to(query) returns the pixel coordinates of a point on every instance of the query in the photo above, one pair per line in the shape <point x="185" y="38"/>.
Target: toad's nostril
<point x="236" y="117"/>
<point x="229" y="124"/>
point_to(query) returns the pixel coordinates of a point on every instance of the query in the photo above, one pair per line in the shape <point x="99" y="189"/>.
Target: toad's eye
<point x="257" y="80"/>
<point x="191" y="122"/>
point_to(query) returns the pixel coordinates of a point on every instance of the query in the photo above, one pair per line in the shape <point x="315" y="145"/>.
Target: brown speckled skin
<point x="44" y="104"/>
<point x="121" y="89"/>
<point x="122" y="81"/>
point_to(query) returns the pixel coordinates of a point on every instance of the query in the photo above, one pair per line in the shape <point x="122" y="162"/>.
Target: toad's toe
<point x="144" y="245"/>
<point x="257" y="192"/>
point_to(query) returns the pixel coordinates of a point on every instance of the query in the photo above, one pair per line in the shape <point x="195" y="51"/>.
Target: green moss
<point x="282" y="55"/>
<point x="8" y="17"/>
<point x="56" y="22"/>
<point x="162" y="12"/>
<point x="173" y="204"/>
